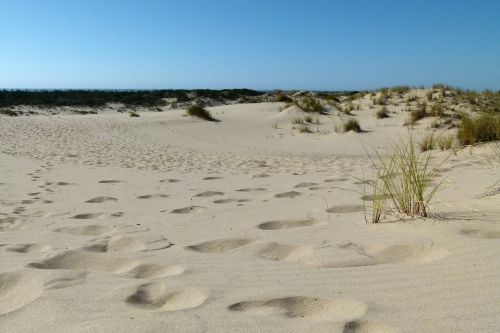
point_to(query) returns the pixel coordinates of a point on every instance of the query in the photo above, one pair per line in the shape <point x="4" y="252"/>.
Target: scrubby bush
<point x="418" y="114"/>
<point x="197" y="111"/>
<point x="282" y="98"/>
<point x="309" y="104"/>
<point x="352" y="125"/>
<point x="383" y="113"/>
<point x="484" y="128"/>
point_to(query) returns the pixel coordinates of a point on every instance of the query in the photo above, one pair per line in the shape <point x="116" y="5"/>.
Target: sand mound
<point x="18" y="289"/>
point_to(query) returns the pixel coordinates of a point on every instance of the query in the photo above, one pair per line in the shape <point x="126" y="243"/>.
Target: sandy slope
<point x="167" y="224"/>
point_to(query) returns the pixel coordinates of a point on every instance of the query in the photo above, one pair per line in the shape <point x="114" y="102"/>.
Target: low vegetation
<point x="483" y="128"/>
<point x="197" y="111"/>
<point x="383" y="113"/>
<point x="309" y="104"/>
<point x="99" y="98"/>
<point x="444" y="142"/>
<point x="404" y="181"/>
<point x="133" y="114"/>
<point x="352" y="125"/>
<point x="427" y="142"/>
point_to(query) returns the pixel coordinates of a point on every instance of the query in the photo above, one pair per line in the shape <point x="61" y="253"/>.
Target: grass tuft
<point x="403" y="181"/>
<point x="383" y="113"/>
<point x="352" y="125"/>
<point x="484" y="128"/>
<point x="197" y="111"/>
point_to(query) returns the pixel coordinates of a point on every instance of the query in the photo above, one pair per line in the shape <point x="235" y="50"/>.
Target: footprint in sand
<point x="7" y="223"/>
<point x="110" y="181"/>
<point x="101" y="199"/>
<point x="477" y="233"/>
<point x="301" y="185"/>
<point x="309" y="308"/>
<point x="290" y="195"/>
<point x="157" y="296"/>
<point x="385" y="254"/>
<point x="86" y="230"/>
<point x="152" y="196"/>
<point x="88" y="261"/>
<point x="66" y="280"/>
<point x="170" y="180"/>
<point x="18" y="289"/>
<point x="335" y="180"/>
<point x="344" y="209"/>
<point x="287" y="224"/>
<point x="212" y="178"/>
<point x="86" y="216"/>
<point x="187" y="210"/>
<point x="365" y="326"/>
<point x="29" y="248"/>
<point x="229" y="200"/>
<point x="265" y="250"/>
<point x="208" y="194"/>
<point x="252" y="189"/>
<point x="219" y="245"/>
<point x="116" y="244"/>
<point x="283" y="252"/>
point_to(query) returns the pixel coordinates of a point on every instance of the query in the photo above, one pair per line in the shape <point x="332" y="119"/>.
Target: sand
<point x="165" y="223"/>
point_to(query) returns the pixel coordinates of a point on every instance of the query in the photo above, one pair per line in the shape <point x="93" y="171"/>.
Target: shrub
<point x="403" y="181"/>
<point x="437" y="109"/>
<point x="197" y="111"/>
<point x="484" y="128"/>
<point x="382" y="113"/>
<point x="10" y="113"/>
<point x="309" y="104"/>
<point x="418" y="114"/>
<point x="282" y="98"/>
<point x="352" y="125"/>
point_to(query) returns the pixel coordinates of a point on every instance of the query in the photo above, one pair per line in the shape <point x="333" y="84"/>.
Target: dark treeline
<point x="97" y="98"/>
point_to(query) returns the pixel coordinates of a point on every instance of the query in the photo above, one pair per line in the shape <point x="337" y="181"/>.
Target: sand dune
<point x="168" y="223"/>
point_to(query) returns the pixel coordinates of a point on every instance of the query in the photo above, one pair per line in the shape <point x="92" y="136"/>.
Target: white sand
<point x="167" y="224"/>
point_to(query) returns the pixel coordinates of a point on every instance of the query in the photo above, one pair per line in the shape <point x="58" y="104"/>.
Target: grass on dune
<point x="403" y="181"/>
<point x="484" y="128"/>
<point x="197" y="111"/>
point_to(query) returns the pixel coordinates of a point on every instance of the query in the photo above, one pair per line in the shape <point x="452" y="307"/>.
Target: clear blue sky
<point x="261" y="44"/>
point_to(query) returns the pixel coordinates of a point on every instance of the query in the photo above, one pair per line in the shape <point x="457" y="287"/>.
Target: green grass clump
<point x="309" y="104"/>
<point x="427" y="142"/>
<point x="197" y="111"/>
<point x="418" y="114"/>
<point x="9" y="112"/>
<point x="298" y="121"/>
<point x="280" y="97"/>
<point x="484" y="128"/>
<point x="383" y="113"/>
<point x="305" y="129"/>
<point x="352" y="125"/>
<point x="403" y="181"/>
<point x="444" y="142"/>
